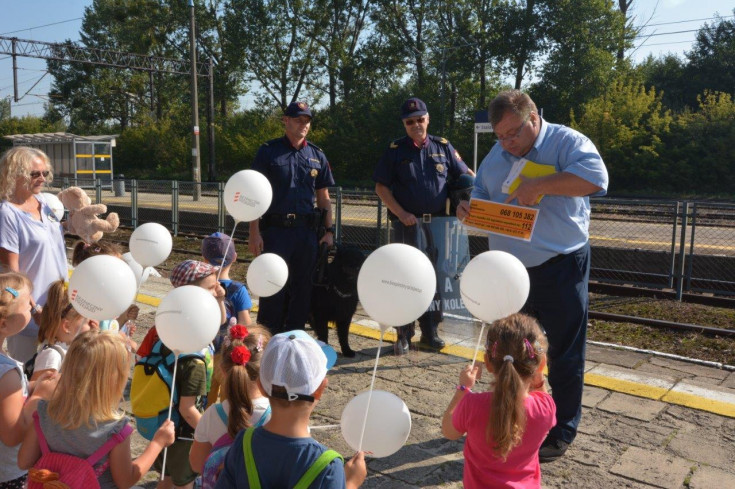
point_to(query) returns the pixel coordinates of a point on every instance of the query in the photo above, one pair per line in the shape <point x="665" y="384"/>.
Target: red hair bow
<point x="239" y="332"/>
<point x="240" y="355"/>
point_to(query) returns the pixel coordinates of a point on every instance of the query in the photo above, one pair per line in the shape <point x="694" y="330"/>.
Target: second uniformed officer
<point x="300" y="176"/>
<point x="411" y="180"/>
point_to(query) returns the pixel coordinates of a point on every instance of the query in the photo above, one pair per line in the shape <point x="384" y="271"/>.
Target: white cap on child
<point x="294" y="361"/>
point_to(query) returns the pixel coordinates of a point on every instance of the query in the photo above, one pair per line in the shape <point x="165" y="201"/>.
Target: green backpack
<point x="316" y="468"/>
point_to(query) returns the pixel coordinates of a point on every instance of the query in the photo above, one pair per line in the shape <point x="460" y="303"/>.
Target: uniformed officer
<point x="300" y="176"/>
<point x="411" y="180"/>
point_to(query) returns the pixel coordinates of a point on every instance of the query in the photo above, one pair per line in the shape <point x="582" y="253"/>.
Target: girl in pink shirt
<point x="504" y="427"/>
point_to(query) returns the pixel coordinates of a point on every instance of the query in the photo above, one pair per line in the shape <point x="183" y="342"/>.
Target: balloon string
<point x="170" y="406"/>
<point x="370" y="395"/>
<point x="227" y="248"/>
<point x="477" y="347"/>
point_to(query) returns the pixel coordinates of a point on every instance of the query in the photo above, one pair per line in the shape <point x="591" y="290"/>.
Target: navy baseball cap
<point x="296" y="109"/>
<point x="413" y="107"/>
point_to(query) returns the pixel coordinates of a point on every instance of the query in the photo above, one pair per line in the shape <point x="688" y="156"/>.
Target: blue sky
<point x="30" y="19"/>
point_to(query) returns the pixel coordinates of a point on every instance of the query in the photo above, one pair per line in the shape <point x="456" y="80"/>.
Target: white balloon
<point x="248" y="195"/>
<point x="396" y="284"/>
<point x="134" y="266"/>
<point x="54" y="204"/>
<point x="267" y="274"/>
<point x="494" y="285"/>
<point x="102" y="287"/>
<point x="150" y="244"/>
<point x="388" y="423"/>
<point x="188" y="319"/>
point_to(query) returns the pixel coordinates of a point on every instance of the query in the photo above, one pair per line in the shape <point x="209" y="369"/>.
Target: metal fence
<point x="680" y="245"/>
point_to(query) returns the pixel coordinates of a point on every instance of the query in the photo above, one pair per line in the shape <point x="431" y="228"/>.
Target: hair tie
<point x="531" y="352"/>
<point x="259" y="346"/>
<point x="12" y="292"/>
<point x="240" y="355"/>
<point x="494" y="350"/>
<point x="508" y="358"/>
<point x="239" y="332"/>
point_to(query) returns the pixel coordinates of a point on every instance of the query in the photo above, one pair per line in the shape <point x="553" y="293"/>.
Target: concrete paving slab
<point x="708" y="478"/>
<point x="655" y="469"/>
<point x="631" y="406"/>
<point x="689" y="368"/>
<point x="591" y="396"/>
<point x="718" y="452"/>
<point x="629" y="432"/>
<point x="615" y="378"/>
<point x="729" y="382"/>
<point x="595" y="421"/>
<point x="620" y="358"/>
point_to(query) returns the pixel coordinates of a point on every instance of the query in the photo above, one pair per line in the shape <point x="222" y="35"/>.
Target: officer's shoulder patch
<point x="440" y="140"/>
<point x="315" y="146"/>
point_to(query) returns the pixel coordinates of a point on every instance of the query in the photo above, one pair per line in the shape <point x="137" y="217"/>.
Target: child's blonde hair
<point x="237" y="376"/>
<point x="92" y="381"/>
<point x="515" y="348"/>
<point x="55" y="311"/>
<point x="15" y="281"/>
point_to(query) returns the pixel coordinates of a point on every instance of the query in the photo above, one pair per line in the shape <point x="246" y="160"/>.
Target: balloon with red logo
<point x="248" y="194"/>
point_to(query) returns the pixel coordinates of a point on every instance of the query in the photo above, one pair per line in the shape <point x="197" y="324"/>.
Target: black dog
<point x="334" y="296"/>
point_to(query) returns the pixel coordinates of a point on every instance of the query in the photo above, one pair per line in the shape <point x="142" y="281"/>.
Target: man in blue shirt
<point x="411" y="180"/>
<point x="558" y="256"/>
<point x="300" y="176"/>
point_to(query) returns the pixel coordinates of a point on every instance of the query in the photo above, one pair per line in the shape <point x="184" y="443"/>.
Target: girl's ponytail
<point x="241" y="355"/>
<point x="514" y="349"/>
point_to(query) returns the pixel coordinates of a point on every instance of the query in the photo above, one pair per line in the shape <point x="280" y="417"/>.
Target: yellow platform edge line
<point x="609" y="383"/>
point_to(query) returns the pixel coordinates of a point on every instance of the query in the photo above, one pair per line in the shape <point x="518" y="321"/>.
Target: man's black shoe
<point x="552" y="449"/>
<point x="432" y="341"/>
<point x="401" y="346"/>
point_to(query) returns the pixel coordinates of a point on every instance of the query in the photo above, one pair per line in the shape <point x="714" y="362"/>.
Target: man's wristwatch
<point x="330" y="229"/>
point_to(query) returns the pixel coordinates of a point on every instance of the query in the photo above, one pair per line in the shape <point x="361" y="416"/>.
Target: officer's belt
<point x="290" y="220"/>
<point x="421" y="217"/>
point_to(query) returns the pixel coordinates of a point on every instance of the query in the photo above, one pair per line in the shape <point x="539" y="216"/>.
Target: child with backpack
<point x="60" y="324"/>
<point x="282" y="453"/>
<point x="504" y="427"/>
<point x="244" y="404"/>
<point x="15" y="404"/>
<point x="81" y="437"/>
<point x="153" y="376"/>
<point x="237" y="299"/>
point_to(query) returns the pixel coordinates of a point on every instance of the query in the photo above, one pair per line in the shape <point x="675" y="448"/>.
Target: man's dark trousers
<point x="559" y="299"/>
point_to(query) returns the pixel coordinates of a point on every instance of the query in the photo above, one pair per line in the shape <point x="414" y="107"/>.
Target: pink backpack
<point x="56" y="470"/>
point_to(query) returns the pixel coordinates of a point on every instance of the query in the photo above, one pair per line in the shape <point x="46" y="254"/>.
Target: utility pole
<point x="195" y="158"/>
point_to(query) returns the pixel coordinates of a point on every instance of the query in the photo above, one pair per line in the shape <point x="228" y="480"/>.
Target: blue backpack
<point x="216" y="458"/>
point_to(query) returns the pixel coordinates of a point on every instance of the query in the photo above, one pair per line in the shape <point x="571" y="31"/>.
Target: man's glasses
<point x="36" y="174"/>
<point x="411" y="122"/>
<point x="517" y="132"/>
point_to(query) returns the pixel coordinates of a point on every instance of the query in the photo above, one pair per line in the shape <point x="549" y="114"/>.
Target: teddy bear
<point x="83" y="220"/>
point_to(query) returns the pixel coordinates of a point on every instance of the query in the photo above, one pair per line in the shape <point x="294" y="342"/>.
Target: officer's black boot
<point x="429" y="333"/>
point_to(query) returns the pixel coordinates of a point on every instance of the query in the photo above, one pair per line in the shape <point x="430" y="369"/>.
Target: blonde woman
<point x="31" y="237"/>
<point x="84" y="413"/>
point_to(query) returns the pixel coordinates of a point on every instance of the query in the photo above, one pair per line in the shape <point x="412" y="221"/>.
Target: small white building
<point x="81" y="159"/>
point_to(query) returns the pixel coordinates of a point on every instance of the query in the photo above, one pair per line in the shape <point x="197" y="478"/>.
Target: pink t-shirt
<point x="482" y="468"/>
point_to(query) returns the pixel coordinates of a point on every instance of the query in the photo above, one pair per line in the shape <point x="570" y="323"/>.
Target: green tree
<point x="4" y="108"/>
<point x="584" y="38"/>
<point x="668" y="75"/>
<point x="277" y="42"/>
<point x="712" y="60"/>
<point x="627" y="125"/>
